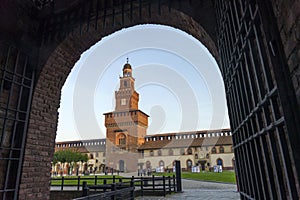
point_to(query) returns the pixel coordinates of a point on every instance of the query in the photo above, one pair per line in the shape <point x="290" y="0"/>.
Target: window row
<point x="189" y="151"/>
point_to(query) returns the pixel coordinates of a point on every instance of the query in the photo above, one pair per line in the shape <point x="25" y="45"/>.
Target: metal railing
<point x="118" y="187"/>
<point x="116" y="191"/>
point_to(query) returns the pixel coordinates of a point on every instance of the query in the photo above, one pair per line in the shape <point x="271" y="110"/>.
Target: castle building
<point x="95" y="150"/>
<point x="127" y="146"/>
<point x="126" y="127"/>
<point x="197" y="148"/>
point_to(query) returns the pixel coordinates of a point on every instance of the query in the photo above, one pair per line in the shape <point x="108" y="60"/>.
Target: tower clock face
<point x="123" y="102"/>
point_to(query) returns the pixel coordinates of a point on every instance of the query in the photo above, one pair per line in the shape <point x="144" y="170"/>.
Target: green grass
<point x="56" y="181"/>
<point x="224" y="177"/>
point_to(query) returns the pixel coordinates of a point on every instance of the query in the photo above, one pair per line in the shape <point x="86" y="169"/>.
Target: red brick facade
<point x="126" y="127"/>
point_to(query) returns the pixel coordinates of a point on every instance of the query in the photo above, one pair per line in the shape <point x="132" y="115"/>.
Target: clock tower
<point x="126" y="126"/>
<point x="126" y="97"/>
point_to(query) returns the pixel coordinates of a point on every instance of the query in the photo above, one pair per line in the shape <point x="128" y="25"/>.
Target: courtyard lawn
<point x="224" y="177"/>
<point x="73" y="180"/>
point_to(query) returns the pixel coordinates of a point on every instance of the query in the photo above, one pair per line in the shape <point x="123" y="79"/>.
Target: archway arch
<point x="275" y="132"/>
<point x="121" y="139"/>
<point x="189" y="164"/>
<point x="121" y="165"/>
<point x="148" y="165"/>
<point x="59" y="64"/>
<point x="219" y="161"/>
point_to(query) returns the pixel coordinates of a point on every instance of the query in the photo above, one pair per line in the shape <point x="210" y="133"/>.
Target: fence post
<point x="170" y="189"/>
<point x="164" y="185"/>
<point x="114" y="179"/>
<point x="95" y="180"/>
<point x="104" y="183"/>
<point x="174" y="183"/>
<point x="78" y="183"/>
<point x="62" y="182"/>
<point x="153" y="183"/>
<point x="132" y="191"/>
<point x="120" y="183"/>
<point x="178" y="175"/>
<point x="113" y="188"/>
<point x="142" y="186"/>
<point x="84" y="189"/>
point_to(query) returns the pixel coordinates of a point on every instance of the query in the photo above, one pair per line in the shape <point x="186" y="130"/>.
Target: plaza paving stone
<point x="200" y="190"/>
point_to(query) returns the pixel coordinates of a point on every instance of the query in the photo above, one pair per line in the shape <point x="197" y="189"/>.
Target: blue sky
<point x="179" y="83"/>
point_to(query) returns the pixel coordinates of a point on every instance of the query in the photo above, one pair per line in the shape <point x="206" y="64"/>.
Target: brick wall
<point x="288" y="20"/>
<point x="43" y="121"/>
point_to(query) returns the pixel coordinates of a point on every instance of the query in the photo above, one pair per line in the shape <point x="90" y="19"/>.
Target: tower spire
<point x="127" y="70"/>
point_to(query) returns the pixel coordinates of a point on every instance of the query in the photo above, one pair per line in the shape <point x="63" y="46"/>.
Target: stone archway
<point x="189" y="164"/>
<point x="46" y="98"/>
<point x="258" y="45"/>
<point x="122" y="166"/>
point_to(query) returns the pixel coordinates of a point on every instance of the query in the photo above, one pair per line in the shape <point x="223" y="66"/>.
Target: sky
<point x="178" y="80"/>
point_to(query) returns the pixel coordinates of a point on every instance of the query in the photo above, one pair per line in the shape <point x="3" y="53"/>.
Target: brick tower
<point x="126" y="126"/>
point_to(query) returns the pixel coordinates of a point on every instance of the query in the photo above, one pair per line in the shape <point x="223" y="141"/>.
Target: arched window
<point x="121" y="165"/>
<point x="122" y="139"/>
<point x="189" y="164"/>
<point x="182" y="151"/>
<point x="151" y="153"/>
<point x="171" y="153"/>
<point x="214" y="150"/>
<point x="196" y="156"/>
<point x="91" y="156"/>
<point x="161" y="163"/>
<point x="219" y="161"/>
<point x="190" y="151"/>
<point x="221" y="149"/>
<point x="159" y="152"/>
<point x="148" y="165"/>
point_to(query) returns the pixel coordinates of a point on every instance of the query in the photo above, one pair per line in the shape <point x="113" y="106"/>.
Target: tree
<point x="69" y="156"/>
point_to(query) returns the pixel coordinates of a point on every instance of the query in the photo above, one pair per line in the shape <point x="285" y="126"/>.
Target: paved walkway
<point x="201" y="190"/>
<point x="190" y="194"/>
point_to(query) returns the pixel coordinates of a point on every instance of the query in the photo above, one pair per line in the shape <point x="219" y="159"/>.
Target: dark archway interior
<point x="41" y="40"/>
